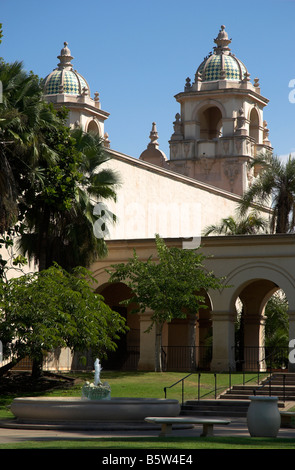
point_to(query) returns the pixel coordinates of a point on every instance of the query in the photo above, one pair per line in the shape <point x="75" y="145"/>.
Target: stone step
<point x="242" y="397"/>
<point x="237" y="408"/>
<point x="235" y="402"/>
<point x="281" y="377"/>
<point x="279" y="381"/>
<point x="264" y="391"/>
<point x="219" y="407"/>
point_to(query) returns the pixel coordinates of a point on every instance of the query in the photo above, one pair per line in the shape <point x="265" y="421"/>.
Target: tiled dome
<point x="64" y="79"/>
<point x="222" y="64"/>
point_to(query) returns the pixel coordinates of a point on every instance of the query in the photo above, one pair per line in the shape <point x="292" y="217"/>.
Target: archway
<point x="210" y="120"/>
<point x="254" y="283"/>
<point x="187" y="342"/>
<point x="93" y="127"/>
<point x="254" y="125"/>
<point x="126" y="355"/>
<point x="250" y="337"/>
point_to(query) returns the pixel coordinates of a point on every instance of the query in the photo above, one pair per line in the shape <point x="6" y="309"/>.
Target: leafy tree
<point x="50" y="177"/>
<point x="274" y="185"/>
<point x="250" y="224"/>
<point x="172" y="286"/>
<point x="58" y="211"/>
<point x="54" y="309"/>
<point x="24" y="120"/>
<point x="277" y="322"/>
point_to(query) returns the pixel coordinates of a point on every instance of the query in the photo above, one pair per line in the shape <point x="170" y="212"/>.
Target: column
<point x="147" y="343"/>
<point x="223" y="353"/>
<point x="254" y="342"/>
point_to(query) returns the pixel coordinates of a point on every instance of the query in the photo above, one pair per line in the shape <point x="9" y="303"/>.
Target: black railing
<point x="274" y="358"/>
<point x="186" y="358"/>
<point x="182" y="386"/>
<point x="213" y="391"/>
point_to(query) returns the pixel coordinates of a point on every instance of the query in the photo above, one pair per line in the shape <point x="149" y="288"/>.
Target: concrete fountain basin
<point x="76" y="412"/>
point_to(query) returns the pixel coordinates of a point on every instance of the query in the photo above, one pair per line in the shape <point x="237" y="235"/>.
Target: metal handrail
<point x="182" y="386"/>
<point x="229" y="371"/>
<point x="199" y="376"/>
<point x="268" y="381"/>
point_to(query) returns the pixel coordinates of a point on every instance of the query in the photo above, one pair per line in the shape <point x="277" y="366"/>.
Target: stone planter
<point x="263" y="416"/>
<point x="96" y="392"/>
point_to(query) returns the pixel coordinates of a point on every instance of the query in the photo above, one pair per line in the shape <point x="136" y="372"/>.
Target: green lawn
<point x="146" y="384"/>
<point x="152" y="443"/>
<point x="150" y="385"/>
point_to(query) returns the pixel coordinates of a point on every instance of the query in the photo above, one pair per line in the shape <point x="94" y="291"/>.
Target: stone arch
<point x="209" y="117"/>
<point x="246" y="273"/>
<point x="255" y="124"/>
<point x="254" y="283"/>
<point x="176" y="340"/>
<point x="93" y="126"/>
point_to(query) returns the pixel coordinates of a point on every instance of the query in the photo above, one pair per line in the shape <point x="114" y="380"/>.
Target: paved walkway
<point x="237" y="427"/>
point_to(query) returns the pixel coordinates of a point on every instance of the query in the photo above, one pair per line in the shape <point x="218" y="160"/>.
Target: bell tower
<point x="220" y="126"/>
<point x="65" y="87"/>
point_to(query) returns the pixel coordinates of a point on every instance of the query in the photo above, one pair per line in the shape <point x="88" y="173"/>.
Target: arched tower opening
<point x="210" y="123"/>
<point x="254" y="125"/>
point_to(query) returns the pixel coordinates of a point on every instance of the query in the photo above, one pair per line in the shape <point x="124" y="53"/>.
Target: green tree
<point x="50" y="177"/>
<point x="54" y="309"/>
<point x="274" y="186"/>
<point x="58" y="217"/>
<point x="250" y="224"/>
<point x="172" y="286"/>
<point x="24" y="121"/>
<point x="277" y="322"/>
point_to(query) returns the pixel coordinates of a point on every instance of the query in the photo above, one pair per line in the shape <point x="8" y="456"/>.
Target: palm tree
<point x="274" y="186"/>
<point x="23" y="119"/>
<point x="251" y="224"/>
<point x="59" y="220"/>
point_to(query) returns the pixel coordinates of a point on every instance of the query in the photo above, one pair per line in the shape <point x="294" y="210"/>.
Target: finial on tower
<point x="65" y="57"/>
<point x="154" y="136"/>
<point x="222" y="41"/>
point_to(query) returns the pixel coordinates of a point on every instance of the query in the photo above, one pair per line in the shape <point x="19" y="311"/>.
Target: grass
<point x="154" y="443"/>
<point x="149" y="384"/>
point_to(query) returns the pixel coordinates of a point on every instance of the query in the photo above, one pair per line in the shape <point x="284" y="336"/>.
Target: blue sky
<point x="138" y="53"/>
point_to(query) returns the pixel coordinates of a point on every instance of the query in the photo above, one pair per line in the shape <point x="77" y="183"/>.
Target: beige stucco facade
<point x="219" y="129"/>
<point x="254" y="267"/>
<point x="154" y="200"/>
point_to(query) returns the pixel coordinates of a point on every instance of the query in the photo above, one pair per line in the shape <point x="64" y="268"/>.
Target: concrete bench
<point x="166" y="423"/>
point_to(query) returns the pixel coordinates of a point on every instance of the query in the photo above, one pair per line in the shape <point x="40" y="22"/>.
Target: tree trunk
<point x="283" y="214"/>
<point x="37" y="367"/>
<point x="192" y="341"/>
<point x="158" y="348"/>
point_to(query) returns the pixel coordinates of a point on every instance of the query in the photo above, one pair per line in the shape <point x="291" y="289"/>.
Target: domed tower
<point x="220" y="127"/>
<point x="64" y="86"/>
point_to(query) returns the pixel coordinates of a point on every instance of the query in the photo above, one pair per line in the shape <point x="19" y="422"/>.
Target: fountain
<point x="95" y="409"/>
<point x="97" y="390"/>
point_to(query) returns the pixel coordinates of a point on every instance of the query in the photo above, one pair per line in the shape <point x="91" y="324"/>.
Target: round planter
<point x="263" y="417"/>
